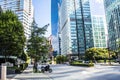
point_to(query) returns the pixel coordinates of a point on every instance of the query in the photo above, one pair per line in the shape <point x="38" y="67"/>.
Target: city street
<point x="66" y="72"/>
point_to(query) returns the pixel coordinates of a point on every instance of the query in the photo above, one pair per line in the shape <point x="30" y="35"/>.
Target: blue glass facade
<point x="75" y="27"/>
<point x="54" y="16"/>
<point x="81" y="27"/>
<point x="113" y="21"/>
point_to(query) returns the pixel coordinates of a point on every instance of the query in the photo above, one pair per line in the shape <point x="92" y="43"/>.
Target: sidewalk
<point x="28" y="75"/>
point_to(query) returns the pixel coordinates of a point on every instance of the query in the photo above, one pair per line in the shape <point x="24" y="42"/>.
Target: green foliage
<point x="24" y="66"/>
<point x="37" y="45"/>
<point x="61" y="59"/>
<point x="24" y="56"/>
<point x="21" y="68"/>
<point x="12" y="38"/>
<point x="102" y="61"/>
<point x="98" y="54"/>
<point x="77" y="63"/>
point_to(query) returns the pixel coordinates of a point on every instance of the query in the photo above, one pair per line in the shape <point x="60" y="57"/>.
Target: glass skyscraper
<point x="112" y="8"/>
<point x="75" y="27"/>
<point x="54" y="16"/>
<point x="55" y="4"/>
<point x="24" y="11"/>
<point x="99" y="31"/>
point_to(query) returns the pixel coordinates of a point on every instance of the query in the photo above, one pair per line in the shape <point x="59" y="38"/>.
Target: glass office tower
<point x="55" y="4"/>
<point x="113" y="22"/>
<point x="75" y="27"/>
<point x="112" y="8"/>
<point x="54" y="16"/>
<point x="99" y="31"/>
<point x="24" y="11"/>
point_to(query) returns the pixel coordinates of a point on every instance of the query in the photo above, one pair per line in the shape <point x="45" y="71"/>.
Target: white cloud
<point x="55" y="42"/>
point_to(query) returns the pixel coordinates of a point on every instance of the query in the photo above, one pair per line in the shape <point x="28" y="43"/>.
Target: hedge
<point x="102" y="61"/>
<point x="77" y="63"/>
<point x="83" y="64"/>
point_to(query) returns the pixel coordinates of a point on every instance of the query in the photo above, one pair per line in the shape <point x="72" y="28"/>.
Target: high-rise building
<point x="75" y="27"/>
<point x="112" y="8"/>
<point x="54" y="16"/>
<point x="99" y="29"/>
<point x="99" y="26"/>
<point x="55" y="4"/>
<point x="24" y="11"/>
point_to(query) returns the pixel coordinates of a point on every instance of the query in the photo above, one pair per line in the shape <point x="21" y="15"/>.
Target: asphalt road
<point x="66" y="72"/>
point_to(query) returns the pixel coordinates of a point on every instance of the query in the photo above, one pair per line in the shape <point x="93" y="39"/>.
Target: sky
<point x="97" y="7"/>
<point x="42" y="13"/>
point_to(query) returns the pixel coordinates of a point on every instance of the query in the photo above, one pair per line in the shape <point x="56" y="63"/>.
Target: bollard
<point x="3" y="72"/>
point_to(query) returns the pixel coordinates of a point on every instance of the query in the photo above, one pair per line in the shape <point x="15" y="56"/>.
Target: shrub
<point x="76" y="63"/>
<point x="83" y="64"/>
<point x="101" y="61"/>
<point x="61" y="59"/>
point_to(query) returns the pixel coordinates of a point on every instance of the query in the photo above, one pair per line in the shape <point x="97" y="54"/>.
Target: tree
<point x="12" y="38"/>
<point x="37" y="44"/>
<point x="96" y="54"/>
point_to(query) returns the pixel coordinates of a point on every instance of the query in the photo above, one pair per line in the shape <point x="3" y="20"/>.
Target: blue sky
<point x="42" y="13"/>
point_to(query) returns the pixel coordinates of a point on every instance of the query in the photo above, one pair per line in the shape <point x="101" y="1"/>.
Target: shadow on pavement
<point x="35" y="78"/>
<point x="106" y="77"/>
<point x="70" y="71"/>
<point x="61" y="76"/>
